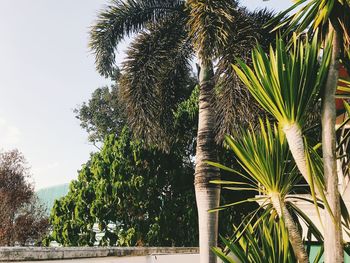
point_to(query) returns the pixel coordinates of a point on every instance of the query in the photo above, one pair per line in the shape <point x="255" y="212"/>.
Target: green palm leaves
<point x="314" y="14"/>
<point x="266" y="243"/>
<point x="210" y="24"/>
<point x="264" y="156"/>
<point x="286" y="83"/>
<point x="123" y="18"/>
<point x="318" y="9"/>
<point x="266" y="159"/>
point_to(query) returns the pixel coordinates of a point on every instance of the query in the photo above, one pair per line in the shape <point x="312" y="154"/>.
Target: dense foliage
<point x="22" y="218"/>
<point x="266" y="242"/>
<point x="131" y="196"/>
<point x="102" y="114"/>
<point x="130" y="193"/>
<point x="159" y="59"/>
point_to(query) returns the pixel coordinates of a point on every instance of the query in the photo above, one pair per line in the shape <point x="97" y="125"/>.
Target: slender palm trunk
<point x="296" y="145"/>
<point x="293" y="231"/>
<point x="207" y="195"/>
<point x="333" y="232"/>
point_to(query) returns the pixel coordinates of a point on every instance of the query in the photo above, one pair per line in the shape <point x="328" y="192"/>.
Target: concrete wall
<point x="8" y="254"/>
<point x="310" y="210"/>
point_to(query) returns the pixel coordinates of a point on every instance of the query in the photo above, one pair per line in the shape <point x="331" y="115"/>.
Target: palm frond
<point x="123" y="18"/>
<point x="156" y="78"/>
<point x="234" y="105"/>
<point x="210" y="25"/>
<point x="316" y="14"/>
<point x="265" y="156"/>
<point x="287" y="82"/>
<point x="266" y="242"/>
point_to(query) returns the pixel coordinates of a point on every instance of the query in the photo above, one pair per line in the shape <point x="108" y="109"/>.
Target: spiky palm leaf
<point x="313" y="14"/>
<point x="123" y="18"/>
<point x="266" y="242"/>
<point x="266" y="158"/>
<point x="333" y="17"/>
<point x="232" y="98"/>
<point x="286" y="84"/>
<point x="156" y="77"/>
<point x="210" y="25"/>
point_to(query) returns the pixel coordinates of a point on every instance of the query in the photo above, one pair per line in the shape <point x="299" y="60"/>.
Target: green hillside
<point x="47" y="196"/>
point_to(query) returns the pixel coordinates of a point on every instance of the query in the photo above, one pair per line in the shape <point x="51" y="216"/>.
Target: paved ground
<point x="97" y="260"/>
<point x="190" y="258"/>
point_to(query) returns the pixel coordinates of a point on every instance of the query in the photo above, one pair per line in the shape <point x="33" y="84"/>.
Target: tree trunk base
<point x="208" y="222"/>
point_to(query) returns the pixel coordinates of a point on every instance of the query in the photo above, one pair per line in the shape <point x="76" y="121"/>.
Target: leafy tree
<point x="266" y="242"/>
<point x="134" y="196"/>
<point x="102" y="114"/>
<point x="331" y="19"/>
<point x="285" y="85"/>
<point x="185" y="127"/>
<point x="169" y="34"/>
<point x="22" y="218"/>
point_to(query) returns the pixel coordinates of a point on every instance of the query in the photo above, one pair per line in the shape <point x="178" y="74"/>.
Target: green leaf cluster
<point x="286" y="82"/>
<point x="269" y="171"/>
<point x="268" y="242"/>
<point x="126" y="195"/>
<point x="312" y="15"/>
<point x="102" y="114"/>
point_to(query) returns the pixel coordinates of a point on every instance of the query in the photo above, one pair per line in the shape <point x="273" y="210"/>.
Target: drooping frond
<point x="234" y="105"/>
<point x="210" y="23"/>
<point x="123" y="18"/>
<point x="287" y="84"/>
<point x="235" y="109"/>
<point x="264" y="34"/>
<point x="156" y="77"/>
<point x="316" y="14"/>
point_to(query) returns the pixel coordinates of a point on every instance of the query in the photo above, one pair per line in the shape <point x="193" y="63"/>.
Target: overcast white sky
<point x="46" y="70"/>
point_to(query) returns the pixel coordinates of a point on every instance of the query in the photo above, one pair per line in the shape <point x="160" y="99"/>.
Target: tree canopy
<point x="126" y="195"/>
<point x="22" y="217"/>
<point x="107" y="183"/>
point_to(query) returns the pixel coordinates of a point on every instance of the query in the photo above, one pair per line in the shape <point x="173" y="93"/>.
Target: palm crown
<point x="287" y="85"/>
<point x="157" y="76"/>
<point x="157" y="73"/>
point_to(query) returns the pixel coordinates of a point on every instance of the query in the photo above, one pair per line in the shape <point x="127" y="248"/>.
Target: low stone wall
<point x="8" y="254"/>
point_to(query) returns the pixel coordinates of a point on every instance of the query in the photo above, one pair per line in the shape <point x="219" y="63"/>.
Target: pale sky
<point x="46" y="70"/>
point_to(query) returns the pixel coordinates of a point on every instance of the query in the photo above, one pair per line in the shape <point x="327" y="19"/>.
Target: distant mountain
<point x="47" y="196"/>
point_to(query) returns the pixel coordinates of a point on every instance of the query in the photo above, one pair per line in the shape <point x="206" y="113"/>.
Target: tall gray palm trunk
<point x="207" y="195"/>
<point x="293" y="231"/>
<point x="333" y="241"/>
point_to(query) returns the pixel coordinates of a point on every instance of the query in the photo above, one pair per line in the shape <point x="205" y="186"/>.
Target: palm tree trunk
<point x="293" y="231"/>
<point x="207" y="195"/>
<point x="296" y="145"/>
<point x="333" y="232"/>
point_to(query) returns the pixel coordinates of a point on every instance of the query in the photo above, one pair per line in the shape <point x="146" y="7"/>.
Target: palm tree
<point x="170" y="33"/>
<point x="265" y="157"/>
<point x="287" y="84"/>
<point x="266" y="160"/>
<point x="331" y="17"/>
<point x="266" y="242"/>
